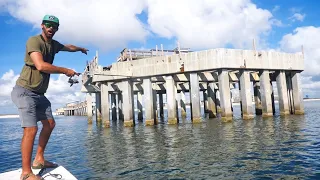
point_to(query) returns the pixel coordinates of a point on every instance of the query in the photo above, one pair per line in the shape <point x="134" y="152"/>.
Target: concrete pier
<point x="89" y="107"/>
<point x="113" y="107"/>
<point x="225" y="98"/>
<point x="282" y="93"/>
<point x="195" y="98"/>
<point x="98" y="108"/>
<point x="213" y="72"/>
<point x="149" y="102"/>
<point x="105" y="111"/>
<point x="161" y="105"/>
<point x="139" y="105"/>
<point x="212" y="110"/>
<point x="183" y="104"/>
<point x="246" y="95"/>
<point x="171" y="100"/>
<point x="128" y="106"/>
<point x="297" y="94"/>
<point x="205" y="101"/>
<point x="265" y="94"/>
<point x="257" y="97"/>
<point x="120" y="106"/>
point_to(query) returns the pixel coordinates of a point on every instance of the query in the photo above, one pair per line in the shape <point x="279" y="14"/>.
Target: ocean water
<point x="273" y="148"/>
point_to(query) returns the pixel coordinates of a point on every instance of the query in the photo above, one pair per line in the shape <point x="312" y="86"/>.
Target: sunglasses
<point x="49" y="25"/>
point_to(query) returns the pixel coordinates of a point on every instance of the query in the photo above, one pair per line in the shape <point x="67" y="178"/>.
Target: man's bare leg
<point x="29" y="134"/>
<point x="47" y="128"/>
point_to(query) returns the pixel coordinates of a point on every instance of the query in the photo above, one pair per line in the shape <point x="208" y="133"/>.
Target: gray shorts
<point x="32" y="107"/>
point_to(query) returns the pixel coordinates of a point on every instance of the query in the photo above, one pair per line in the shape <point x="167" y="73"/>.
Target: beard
<point x="49" y="33"/>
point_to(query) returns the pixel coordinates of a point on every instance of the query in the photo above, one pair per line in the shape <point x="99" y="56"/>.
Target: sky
<point x="107" y="27"/>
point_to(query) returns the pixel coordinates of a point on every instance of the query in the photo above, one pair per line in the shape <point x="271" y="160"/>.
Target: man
<point x="28" y="93"/>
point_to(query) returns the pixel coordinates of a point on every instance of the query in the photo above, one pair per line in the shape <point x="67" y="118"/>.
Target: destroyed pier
<point x="149" y="75"/>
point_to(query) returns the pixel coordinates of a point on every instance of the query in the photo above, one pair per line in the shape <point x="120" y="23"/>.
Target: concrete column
<point x="282" y="93"/>
<point x="120" y="106"/>
<point x="205" y="101"/>
<point x="218" y="101"/>
<point x="265" y="93"/>
<point x="161" y="105"/>
<point x="290" y="94"/>
<point x="297" y="94"/>
<point x="105" y="105"/>
<point x="246" y="95"/>
<point x="98" y="107"/>
<point x="139" y="106"/>
<point x="89" y="107"/>
<point x="257" y="97"/>
<point x="148" y="101"/>
<point x="272" y="98"/>
<point x="113" y="107"/>
<point x="195" y="98"/>
<point x="155" y="106"/>
<point x="183" y="104"/>
<point x="225" y="98"/>
<point x="171" y="100"/>
<point x="211" y="101"/>
<point x="128" y="106"/>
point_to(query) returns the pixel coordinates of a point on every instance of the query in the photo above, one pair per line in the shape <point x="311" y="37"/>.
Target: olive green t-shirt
<point x="30" y="78"/>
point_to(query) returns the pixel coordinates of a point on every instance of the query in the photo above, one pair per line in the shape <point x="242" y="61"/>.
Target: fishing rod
<point x="75" y="81"/>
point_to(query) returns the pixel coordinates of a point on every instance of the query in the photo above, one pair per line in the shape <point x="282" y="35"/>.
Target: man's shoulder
<point x="35" y="38"/>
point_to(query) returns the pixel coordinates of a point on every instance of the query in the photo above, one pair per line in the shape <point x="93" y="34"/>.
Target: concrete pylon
<point x="257" y="97"/>
<point x="183" y="104"/>
<point x="113" y="107"/>
<point x="225" y="97"/>
<point x="161" y="105"/>
<point x="265" y="93"/>
<point x="212" y="110"/>
<point x="297" y="94"/>
<point x="282" y="93"/>
<point x="105" y="111"/>
<point x="148" y="101"/>
<point x="89" y="107"/>
<point x="171" y="100"/>
<point x="195" y="98"/>
<point x="246" y="95"/>
<point x="128" y="106"/>
<point x="139" y="106"/>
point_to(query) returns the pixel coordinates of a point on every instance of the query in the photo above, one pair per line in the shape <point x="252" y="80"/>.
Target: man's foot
<point x="43" y="164"/>
<point x="30" y="176"/>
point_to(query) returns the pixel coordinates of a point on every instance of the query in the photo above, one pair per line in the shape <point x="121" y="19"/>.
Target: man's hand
<point x="70" y="73"/>
<point x="84" y="50"/>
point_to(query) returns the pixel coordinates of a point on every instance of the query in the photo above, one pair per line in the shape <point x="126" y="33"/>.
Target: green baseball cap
<point x="51" y="18"/>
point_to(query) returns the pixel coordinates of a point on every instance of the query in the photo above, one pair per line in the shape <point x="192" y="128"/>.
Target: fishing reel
<point x="72" y="81"/>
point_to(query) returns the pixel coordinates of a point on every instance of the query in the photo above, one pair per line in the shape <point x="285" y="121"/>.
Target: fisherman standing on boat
<point x="28" y="93"/>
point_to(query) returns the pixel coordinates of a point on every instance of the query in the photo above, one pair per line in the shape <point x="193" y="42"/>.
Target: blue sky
<point x="110" y="26"/>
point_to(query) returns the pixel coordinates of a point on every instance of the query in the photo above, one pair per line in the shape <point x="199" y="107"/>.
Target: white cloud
<point x="309" y="37"/>
<point x="297" y="17"/>
<point x="104" y="23"/>
<point x="209" y="24"/>
<point x="111" y="24"/>
<point x="7" y="82"/>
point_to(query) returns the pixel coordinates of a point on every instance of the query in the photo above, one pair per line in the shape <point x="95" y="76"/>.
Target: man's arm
<point x="45" y="67"/>
<point x="73" y="48"/>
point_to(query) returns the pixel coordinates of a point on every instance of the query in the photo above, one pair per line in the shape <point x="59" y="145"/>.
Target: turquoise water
<point x="273" y="148"/>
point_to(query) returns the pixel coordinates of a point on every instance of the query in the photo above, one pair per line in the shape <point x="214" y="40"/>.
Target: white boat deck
<point x="48" y="174"/>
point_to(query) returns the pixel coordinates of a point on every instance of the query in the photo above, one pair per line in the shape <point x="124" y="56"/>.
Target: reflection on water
<point x="280" y="147"/>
